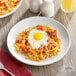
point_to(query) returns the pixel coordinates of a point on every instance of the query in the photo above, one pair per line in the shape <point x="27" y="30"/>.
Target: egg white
<point x="35" y="44"/>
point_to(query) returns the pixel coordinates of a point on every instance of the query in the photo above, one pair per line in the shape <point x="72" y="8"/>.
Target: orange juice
<point x="68" y="5"/>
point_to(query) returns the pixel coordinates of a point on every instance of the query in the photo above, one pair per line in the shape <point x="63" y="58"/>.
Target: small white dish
<point x="12" y="10"/>
<point x="31" y="22"/>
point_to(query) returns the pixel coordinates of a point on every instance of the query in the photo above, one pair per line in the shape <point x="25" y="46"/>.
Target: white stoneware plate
<point x="12" y="10"/>
<point x="31" y="22"/>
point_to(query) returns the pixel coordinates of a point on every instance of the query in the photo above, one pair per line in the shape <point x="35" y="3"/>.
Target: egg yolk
<point x="38" y="36"/>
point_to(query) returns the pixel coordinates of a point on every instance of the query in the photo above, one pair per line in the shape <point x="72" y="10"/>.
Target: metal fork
<point x="2" y="67"/>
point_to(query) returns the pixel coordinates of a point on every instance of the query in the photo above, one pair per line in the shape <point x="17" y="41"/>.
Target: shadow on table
<point x="63" y="17"/>
<point x="4" y="46"/>
<point x="27" y="14"/>
<point x="49" y="70"/>
<point x="4" y="21"/>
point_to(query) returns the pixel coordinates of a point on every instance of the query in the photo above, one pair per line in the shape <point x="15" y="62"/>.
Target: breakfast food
<point x="7" y="6"/>
<point x="38" y="43"/>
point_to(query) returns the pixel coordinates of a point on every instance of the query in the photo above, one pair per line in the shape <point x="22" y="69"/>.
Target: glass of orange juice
<point x="68" y="6"/>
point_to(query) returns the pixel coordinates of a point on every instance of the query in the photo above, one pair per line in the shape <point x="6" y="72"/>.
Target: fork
<point x="2" y="67"/>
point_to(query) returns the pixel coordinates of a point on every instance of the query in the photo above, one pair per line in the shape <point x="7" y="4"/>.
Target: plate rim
<point x="46" y="63"/>
<point x="14" y="10"/>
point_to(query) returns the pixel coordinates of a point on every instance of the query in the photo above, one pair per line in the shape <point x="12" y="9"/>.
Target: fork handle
<point x="8" y="71"/>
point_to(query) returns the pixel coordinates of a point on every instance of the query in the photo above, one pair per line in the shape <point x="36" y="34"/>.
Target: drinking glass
<point x="68" y="6"/>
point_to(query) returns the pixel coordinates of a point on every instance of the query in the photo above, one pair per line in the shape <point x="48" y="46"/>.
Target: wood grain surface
<point x="64" y="67"/>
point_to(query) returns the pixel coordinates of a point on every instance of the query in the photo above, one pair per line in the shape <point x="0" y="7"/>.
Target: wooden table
<point x="66" y="66"/>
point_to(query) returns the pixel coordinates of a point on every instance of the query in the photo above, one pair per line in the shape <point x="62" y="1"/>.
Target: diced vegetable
<point x="40" y="28"/>
<point x="48" y="40"/>
<point x="40" y="52"/>
<point x="17" y="41"/>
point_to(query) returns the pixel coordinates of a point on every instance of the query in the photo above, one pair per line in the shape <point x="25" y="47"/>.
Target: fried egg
<point x="36" y="38"/>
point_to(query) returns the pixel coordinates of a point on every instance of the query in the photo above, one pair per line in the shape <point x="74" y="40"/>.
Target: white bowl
<point x="31" y="22"/>
<point x="12" y="10"/>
